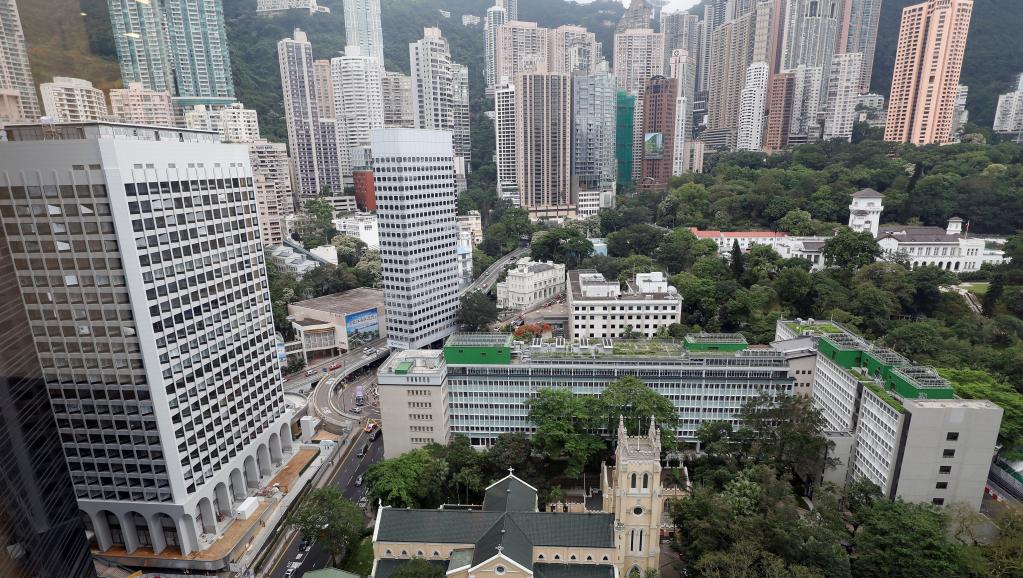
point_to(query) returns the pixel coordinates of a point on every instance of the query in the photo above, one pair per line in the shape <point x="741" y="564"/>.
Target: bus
<point x="360" y="397"/>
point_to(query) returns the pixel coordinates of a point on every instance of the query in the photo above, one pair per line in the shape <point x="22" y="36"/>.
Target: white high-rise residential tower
<point x="198" y="49"/>
<point x="496" y="17"/>
<point x="843" y="95"/>
<point x="440" y="90"/>
<point x="73" y="100"/>
<point x="1009" y="115"/>
<point x="362" y="27"/>
<point x="572" y="50"/>
<point x="140" y="36"/>
<point x="151" y="322"/>
<point x="414" y="179"/>
<point x="313" y="140"/>
<point x="521" y="47"/>
<point x="15" y="73"/>
<point x="638" y="56"/>
<point x="504" y="151"/>
<point x="511" y="7"/>
<point x="358" y="100"/>
<point x="752" y="103"/>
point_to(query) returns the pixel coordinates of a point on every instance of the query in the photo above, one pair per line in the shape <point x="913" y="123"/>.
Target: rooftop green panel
<point x="715" y="342"/>
<point x="478" y="349"/>
<point x="403" y="367"/>
<point x="843" y="349"/>
<point x="918" y="382"/>
<point x="880" y="360"/>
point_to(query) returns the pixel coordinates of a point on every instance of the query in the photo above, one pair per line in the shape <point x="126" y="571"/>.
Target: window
<point x="941" y="485"/>
<point x="948" y="453"/>
<point x="646" y="481"/>
<point x="638" y="511"/>
<point x="938" y="501"/>
<point x="952" y="436"/>
<point x="945" y="470"/>
<point x="499" y="569"/>
<point x="633" y="484"/>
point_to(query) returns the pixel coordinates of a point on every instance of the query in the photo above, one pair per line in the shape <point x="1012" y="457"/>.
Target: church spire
<point x="653" y="429"/>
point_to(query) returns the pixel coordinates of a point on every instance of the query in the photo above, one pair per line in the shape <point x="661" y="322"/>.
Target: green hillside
<point x="70" y="38"/>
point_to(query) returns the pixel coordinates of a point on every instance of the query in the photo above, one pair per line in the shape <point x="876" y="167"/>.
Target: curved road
<point x="320" y="403"/>
<point x="489" y="277"/>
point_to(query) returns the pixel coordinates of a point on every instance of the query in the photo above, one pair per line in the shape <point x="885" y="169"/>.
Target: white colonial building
<point x="600" y="309"/>
<point x="529" y="283"/>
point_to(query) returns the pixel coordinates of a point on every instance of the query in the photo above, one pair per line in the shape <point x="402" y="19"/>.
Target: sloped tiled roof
<point x="511" y="540"/>
<point x="510" y="495"/>
<point x="573" y="571"/>
<point x="590" y="530"/>
<point x="867" y="193"/>
<point x="443" y="526"/>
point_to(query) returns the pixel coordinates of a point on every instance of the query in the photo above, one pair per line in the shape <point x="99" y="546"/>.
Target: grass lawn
<point x="360" y="560"/>
<point x="978" y="289"/>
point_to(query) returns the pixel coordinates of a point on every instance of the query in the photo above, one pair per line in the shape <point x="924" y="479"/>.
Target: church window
<point x="641" y="540"/>
<point x="638" y="510"/>
<point x="646" y="481"/>
<point x="633" y="481"/>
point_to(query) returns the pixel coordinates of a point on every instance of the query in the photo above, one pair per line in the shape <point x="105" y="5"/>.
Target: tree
<point x="994" y="293"/>
<point x="561" y="245"/>
<point x="851" y="249"/>
<point x="630" y="398"/>
<point x="510" y="450"/>
<point x="370" y="263"/>
<point x="330" y="520"/>
<point x="785" y="432"/>
<point x="978" y="384"/>
<point x="418" y="568"/>
<point x="476" y="311"/>
<point x="564" y="423"/>
<point x="902" y="539"/>
<point x="349" y="249"/>
<point x="797" y="222"/>
<point x="637" y="239"/>
<point x="411" y="480"/>
<point x="1004" y="557"/>
<point x="736" y="261"/>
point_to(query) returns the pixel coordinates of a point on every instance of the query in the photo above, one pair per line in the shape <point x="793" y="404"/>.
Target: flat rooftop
<point x="413" y="361"/>
<point x="349" y="301"/>
<point x="581" y="279"/>
<point x="481" y="339"/>
<point x="715" y="338"/>
<point x="68" y="131"/>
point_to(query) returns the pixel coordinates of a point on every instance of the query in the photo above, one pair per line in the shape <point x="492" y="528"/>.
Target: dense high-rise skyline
<point x="857" y="32"/>
<point x="638" y="57"/>
<point x="928" y="63"/>
<point x="358" y="100"/>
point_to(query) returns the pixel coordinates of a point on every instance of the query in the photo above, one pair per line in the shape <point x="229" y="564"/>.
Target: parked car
<point x="358" y="480"/>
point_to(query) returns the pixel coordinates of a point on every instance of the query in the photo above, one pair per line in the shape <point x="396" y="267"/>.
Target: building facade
<point x="479" y="385"/>
<point x="752" y="108"/>
<point x="362" y="28"/>
<point x="504" y="151"/>
<point x="358" y="101"/>
<point x="857" y="32"/>
<point x="928" y="62"/>
<point x="200" y="60"/>
<point x="40" y="524"/>
<point x="173" y="466"/>
<point x="843" y="95"/>
<point x="313" y="140"/>
<point x="600" y="309"/>
<point x="593" y="144"/>
<point x="15" y="72"/>
<point x="638" y="56"/>
<point x="521" y="48"/>
<point x="905" y="429"/>
<point x="73" y="100"/>
<point x="530" y="283"/>
<point x="496" y="18"/>
<point x="660" y="99"/>
<point x="143" y="51"/>
<point x="543" y="145"/>
<point x="397" y="100"/>
<point x="139" y="105"/>
<point x="418" y="233"/>
<point x="572" y="50"/>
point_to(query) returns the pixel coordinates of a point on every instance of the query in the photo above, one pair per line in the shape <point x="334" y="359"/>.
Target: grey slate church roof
<point x="508" y="524"/>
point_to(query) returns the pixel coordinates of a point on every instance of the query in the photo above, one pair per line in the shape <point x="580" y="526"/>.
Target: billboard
<point x="653" y="145"/>
<point x="362" y="327"/>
